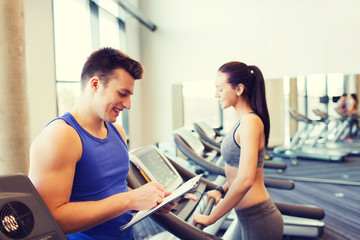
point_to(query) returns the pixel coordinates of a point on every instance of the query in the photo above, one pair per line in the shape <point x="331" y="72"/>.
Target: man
<point x="79" y="162"/>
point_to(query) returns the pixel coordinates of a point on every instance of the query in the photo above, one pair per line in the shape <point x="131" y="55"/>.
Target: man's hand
<point x="168" y="207"/>
<point x="147" y="196"/>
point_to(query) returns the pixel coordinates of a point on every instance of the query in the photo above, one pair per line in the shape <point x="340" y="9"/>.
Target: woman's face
<point x="224" y="91"/>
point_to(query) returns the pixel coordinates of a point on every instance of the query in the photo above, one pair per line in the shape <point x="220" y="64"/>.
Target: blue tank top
<point x="230" y="150"/>
<point x="100" y="173"/>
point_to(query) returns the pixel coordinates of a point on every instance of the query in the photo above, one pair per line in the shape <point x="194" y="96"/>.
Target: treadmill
<point x="178" y="222"/>
<point x="352" y="147"/>
<point x="298" y="220"/>
<point x="297" y="146"/>
<point x="161" y="169"/>
<point x="208" y="134"/>
<point x="209" y="157"/>
<point x="344" y="128"/>
<point x="212" y="136"/>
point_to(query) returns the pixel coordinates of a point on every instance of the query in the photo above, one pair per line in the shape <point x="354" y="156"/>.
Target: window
<point x="80" y="27"/>
<point x="302" y="94"/>
<point x="316" y="89"/>
<point x="286" y="92"/>
<point x="72" y="46"/>
<point x="336" y="89"/>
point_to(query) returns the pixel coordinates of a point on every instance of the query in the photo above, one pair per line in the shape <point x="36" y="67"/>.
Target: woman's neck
<point x="242" y="110"/>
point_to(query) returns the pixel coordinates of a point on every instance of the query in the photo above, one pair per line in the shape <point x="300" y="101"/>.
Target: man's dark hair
<point x="103" y="62"/>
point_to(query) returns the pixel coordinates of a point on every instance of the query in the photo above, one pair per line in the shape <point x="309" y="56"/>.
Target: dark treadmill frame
<point x="185" y="230"/>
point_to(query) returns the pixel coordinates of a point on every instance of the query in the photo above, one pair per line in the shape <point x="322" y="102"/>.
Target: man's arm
<point x="53" y="158"/>
<point x="167" y="208"/>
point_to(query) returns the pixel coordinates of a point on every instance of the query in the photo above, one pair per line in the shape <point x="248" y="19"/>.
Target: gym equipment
<point x="23" y="213"/>
<point x="175" y="221"/>
<point x="210" y="158"/>
<point x="200" y="152"/>
<point x="297" y="145"/>
<point x="213" y="136"/>
<point x="322" y="140"/>
<point x="208" y="134"/>
<point x="343" y="131"/>
<point x="297" y="218"/>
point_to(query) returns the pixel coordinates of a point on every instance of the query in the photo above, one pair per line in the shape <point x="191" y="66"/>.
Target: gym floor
<point x="333" y="186"/>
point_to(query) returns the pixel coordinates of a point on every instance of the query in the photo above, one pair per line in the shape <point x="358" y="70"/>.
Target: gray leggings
<point x="262" y="221"/>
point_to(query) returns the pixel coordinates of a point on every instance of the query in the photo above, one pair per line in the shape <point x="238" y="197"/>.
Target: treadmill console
<point x="154" y="166"/>
<point x="207" y="129"/>
<point x="191" y="140"/>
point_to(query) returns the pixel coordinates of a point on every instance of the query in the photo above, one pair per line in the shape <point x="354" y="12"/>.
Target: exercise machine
<point x="322" y="139"/>
<point x="164" y="170"/>
<point x="178" y="222"/>
<point x="213" y="136"/>
<point x="207" y="156"/>
<point x="298" y="220"/>
<point x="198" y="151"/>
<point x="300" y="150"/>
<point x="23" y="213"/>
<point x="208" y="134"/>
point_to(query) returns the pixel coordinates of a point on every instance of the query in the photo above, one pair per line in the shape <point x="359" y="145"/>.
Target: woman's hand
<point x="202" y="219"/>
<point x="214" y="194"/>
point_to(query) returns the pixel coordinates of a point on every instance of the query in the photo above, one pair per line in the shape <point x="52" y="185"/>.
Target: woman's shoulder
<point x="251" y="118"/>
<point x="251" y="122"/>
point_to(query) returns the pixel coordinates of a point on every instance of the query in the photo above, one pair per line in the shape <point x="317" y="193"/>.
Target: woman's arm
<point x="248" y="134"/>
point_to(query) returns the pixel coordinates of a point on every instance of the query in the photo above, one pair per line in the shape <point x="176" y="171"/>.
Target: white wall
<point x="194" y="37"/>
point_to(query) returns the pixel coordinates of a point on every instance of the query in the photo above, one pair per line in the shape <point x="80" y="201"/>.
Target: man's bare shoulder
<point x="56" y="131"/>
<point x="121" y="130"/>
<point x="58" y="140"/>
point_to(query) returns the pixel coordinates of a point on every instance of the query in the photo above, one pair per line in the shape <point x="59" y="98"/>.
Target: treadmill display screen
<point x="161" y="171"/>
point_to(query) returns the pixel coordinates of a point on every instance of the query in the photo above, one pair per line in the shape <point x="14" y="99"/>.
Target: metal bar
<point x="128" y="7"/>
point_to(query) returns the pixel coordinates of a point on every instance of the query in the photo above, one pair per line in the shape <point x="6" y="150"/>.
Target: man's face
<point x="115" y="96"/>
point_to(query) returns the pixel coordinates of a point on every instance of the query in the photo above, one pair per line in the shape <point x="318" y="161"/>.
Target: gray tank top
<point x="230" y="150"/>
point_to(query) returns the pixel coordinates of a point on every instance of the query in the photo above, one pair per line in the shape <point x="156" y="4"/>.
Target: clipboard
<point x="180" y="191"/>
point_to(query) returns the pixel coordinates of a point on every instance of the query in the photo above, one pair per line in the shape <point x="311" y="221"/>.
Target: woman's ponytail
<point x="254" y="90"/>
<point x="257" y="100"/>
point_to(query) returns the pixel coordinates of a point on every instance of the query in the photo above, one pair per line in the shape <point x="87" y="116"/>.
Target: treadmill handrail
<point x="212" y="168"/>
<point x="204" y="136"/>
<point x="200" y="161"/>
<point x="210" y="204"/>
<point x="304" y="211"/>
<point x="279" y="184"/>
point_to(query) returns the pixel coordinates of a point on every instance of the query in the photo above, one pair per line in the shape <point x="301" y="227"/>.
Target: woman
<point x="342" y="102"/>
<point x="242" y="87"/>
<point x="352" y="111"/>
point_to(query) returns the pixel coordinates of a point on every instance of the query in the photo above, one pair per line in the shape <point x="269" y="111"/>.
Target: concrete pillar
<point x="293" y="102"/>
<point x="14" y="130"/>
